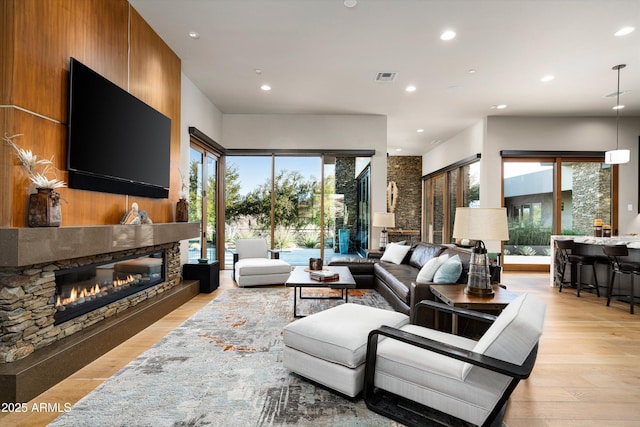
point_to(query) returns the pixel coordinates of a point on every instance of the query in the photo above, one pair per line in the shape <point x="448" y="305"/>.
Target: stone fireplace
<point x="82" y="289"/>
<point x="112" y="272"/>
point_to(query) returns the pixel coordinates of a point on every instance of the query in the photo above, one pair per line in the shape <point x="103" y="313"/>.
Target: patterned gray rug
<point x="223" y="367"/>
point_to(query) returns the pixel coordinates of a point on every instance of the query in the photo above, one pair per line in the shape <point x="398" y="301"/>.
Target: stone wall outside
<point x="406" y="171"/>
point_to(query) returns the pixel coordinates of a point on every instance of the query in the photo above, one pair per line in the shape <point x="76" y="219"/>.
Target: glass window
<point x="544" y="197"/>
<point x="315" y="200"/>
<point x="202" y="197"/>
<point x="458" y="186"/>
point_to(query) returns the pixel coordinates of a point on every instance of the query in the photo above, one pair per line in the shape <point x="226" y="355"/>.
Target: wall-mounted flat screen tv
<point x="116" y="143"/>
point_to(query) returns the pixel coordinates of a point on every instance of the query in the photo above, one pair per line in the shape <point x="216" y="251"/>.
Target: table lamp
<point x="384" y="220"/>
<point x="480" y="224"/>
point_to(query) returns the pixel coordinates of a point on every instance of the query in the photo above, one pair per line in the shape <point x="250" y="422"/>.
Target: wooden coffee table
<point x="300" y="278"/>
<point x="454" y="296"/>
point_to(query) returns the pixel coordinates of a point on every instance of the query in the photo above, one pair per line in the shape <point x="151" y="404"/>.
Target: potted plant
<point x="44" y="205"/>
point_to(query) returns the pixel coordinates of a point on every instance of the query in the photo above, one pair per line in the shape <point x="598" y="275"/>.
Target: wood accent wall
<point x="37" y="39"/>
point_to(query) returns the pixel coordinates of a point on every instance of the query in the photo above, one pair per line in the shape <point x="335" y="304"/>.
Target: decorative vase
<point x="44" y="208"/>
<point x="182" y="211"/>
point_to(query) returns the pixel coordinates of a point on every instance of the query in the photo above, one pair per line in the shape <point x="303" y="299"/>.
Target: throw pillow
<point x="429" y="269"/>
<point x="450" y="271"/>
<point x="395" y="253"/>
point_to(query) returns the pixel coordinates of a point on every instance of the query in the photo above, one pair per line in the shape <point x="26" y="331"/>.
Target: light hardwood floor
<point x="587" y="372"/>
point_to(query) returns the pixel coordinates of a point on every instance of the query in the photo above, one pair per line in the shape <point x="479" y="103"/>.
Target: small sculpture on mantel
<point x="144" y="217"/>
<point x="131" y="217"/>
<point x="136" y="216"/>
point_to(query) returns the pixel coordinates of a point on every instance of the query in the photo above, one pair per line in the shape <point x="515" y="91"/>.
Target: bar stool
<point x="621" y="267"/>
<point x="566" y="257"/>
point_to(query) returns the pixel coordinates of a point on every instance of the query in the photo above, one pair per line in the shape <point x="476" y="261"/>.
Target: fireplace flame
<point x="81" y="295"/>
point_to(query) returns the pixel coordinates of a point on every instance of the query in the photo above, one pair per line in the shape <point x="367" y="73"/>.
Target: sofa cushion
<point x="261" y="266"/>
<point x="429" y="269"/>
<point x="395" y="253"/>
<point x="423" y="252"/>
<point x="449" y="272"/>
<point x="465" y="258"/>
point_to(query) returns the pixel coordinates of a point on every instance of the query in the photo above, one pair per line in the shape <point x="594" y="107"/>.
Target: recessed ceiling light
<point x="624" y="31"/>
<point x="499" y="107"/>
<point x="618" y="107"/>
<point x="350" y="3"/>
<point x="472" y="71"/>
<point x="448" y="35"/>
<point x="410" y="88"/>
<point x="547" y="78"/>
<point x="398" y="149"/>
<point x="266" y="88"/>
<point x="194" y="34"/>
<point x="258" y="71"/>
<point x="420" y="130"/>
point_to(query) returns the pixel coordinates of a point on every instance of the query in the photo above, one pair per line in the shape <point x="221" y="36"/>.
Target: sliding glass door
<point x="203" y="192"/>
<point x="306" y="206"/>
<point x="547" y="196"/>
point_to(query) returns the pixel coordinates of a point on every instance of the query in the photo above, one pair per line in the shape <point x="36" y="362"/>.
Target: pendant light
<point x="617" y="156"/>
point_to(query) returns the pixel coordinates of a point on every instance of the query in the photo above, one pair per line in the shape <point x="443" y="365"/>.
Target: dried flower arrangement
<point x="183" y="194"/>
<point x="30" y="163"/>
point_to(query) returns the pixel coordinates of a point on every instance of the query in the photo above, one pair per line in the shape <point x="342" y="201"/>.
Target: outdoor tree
<point x="293" y="196"/>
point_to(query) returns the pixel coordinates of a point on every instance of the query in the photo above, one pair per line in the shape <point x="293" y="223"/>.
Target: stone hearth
<point x="29" y="258"/>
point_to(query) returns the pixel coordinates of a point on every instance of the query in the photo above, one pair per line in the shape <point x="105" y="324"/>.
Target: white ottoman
<point x="329" y="347"/>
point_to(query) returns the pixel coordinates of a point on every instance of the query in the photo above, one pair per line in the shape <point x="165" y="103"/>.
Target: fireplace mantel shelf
<point x="27" y="246"/>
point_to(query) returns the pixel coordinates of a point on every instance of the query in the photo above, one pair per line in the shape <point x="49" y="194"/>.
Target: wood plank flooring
<point x="587" y="372"/>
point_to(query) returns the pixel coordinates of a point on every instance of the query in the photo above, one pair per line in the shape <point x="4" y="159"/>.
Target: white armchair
<point x="254" y="264"/>
<point x="449" y="378"/>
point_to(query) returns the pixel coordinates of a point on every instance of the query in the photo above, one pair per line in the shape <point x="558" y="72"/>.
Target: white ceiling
<point x="321" y="57"/>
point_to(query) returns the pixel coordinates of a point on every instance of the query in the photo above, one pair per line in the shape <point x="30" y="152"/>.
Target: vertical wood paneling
<point x="49" y="32"/>
<point x="155" y="79"/>
<point x="34" y="76"/>
<point x="6" y="82"/>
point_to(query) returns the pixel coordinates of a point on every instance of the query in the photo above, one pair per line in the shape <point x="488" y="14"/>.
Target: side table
<point x="454" y="296"/>
<point x="207" y="273"/>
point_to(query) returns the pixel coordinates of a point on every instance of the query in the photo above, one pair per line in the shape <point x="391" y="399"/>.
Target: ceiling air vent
<point x="386" y="77"/>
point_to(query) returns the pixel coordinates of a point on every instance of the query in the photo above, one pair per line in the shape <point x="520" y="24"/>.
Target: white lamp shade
<point x="384" y="219"/>
<point x="481" y="224"/>
<point x="615" y="157"/>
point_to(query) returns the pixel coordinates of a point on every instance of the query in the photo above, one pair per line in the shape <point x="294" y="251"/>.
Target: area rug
<point x="223" y="367"/>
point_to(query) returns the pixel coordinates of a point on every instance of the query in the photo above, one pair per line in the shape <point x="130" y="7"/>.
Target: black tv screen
<point x="116" y="143"/>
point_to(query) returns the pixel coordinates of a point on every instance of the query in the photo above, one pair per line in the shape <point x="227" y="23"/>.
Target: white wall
<point x="465" y="144"/>
<point x="497" y="133"/>
<point x="306" y="131"/>
<point x="195" y="110"/>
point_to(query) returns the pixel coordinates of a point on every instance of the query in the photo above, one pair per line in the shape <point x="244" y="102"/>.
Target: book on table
<point x="324" y="276"/>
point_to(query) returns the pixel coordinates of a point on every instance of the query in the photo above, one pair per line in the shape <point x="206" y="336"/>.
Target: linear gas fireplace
<point x="85" y="288"/>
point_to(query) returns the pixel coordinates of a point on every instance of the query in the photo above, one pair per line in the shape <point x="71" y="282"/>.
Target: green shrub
<point x="284" y="238"/>
<point x="528" y="234"/>
<point x="309" y="240"/>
